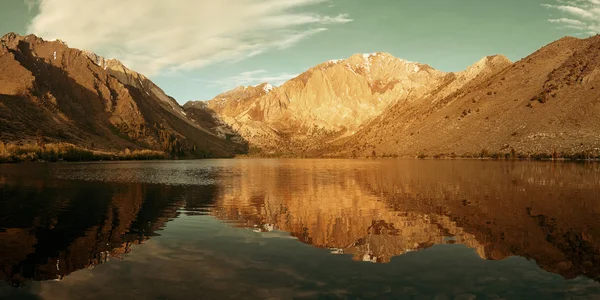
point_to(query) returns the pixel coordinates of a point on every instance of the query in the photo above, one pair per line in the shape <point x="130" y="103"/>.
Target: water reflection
<point x="50" y="228"/>
<point x="56" y="219"/>
<point x="546" y="212"/>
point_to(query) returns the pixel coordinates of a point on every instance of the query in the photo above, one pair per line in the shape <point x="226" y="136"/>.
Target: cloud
<point x="156" y="36"/>
<point x="252" y="78"/>
<point x="286" y="39"/>
<point x="567" y="21"/>
<point x="580" y="15"/>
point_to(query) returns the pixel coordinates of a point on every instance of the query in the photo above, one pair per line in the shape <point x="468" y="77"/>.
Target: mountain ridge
<point x="542" y="106"/>
<point x="332" y="99"/>
<point x="51" y="92"/>
<point x="505" y="112"/>
<point x="532" y="108"/>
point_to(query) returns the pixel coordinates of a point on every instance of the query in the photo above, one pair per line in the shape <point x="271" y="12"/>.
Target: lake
<point x="300" y="229"/>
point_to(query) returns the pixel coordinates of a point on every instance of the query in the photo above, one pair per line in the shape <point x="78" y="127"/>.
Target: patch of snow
<point x="416" y="69"/>
<point x="350" y="68"/>
<point x="54" y="54"/>
<point x="369" y="55"/>
<point x="183" y="113"/>
<point x="268" y="88"/>
<point x="367" y="63"/>
<point x="335" y="61"/>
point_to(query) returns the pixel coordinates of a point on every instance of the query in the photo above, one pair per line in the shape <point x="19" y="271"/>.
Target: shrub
<point x="69" y="152"/>
<point x="484" y="153"/>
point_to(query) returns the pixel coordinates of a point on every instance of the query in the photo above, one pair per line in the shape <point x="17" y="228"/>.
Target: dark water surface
<point x="300" y="229"/>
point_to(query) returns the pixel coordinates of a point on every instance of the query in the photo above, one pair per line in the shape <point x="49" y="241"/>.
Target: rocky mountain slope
<point x="67" y="95"/>
<point x="545" y="104"/>
<point x="330" y="100"/>
<point x="377" y="105"/>
<point x="367" y="105"/>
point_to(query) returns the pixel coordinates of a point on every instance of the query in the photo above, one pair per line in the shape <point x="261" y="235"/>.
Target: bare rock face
<point x="75" y="96"/>
<point x="330" y="100"/>
<point x="340" y="95"/>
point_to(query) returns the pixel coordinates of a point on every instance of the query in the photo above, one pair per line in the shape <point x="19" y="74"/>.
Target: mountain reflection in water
<point x="57" y="219"/>
<point x="546" y="212"/>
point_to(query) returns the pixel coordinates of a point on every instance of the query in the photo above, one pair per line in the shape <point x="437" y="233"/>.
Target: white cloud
<point x="252" y="78"/>
<point x="581" y="15"/>
<point x="567" y="21"/>
<point x="153" y="36"/>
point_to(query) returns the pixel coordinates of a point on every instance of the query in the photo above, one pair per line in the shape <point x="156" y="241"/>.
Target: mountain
<point x="74" y="96"/>
<point x="544" y="105"/>
<point x="330" y="100"/>
<point x="333" y="101"/>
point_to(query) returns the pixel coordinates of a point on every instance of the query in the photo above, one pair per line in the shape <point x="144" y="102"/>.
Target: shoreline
<point x="560" y="160"/>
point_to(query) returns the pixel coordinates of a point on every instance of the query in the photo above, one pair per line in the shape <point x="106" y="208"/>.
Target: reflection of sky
<point x="199" y="172"/>
<point x="198" y="256"/>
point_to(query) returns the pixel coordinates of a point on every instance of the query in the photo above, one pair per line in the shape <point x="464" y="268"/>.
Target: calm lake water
<point x="300" y="229"/>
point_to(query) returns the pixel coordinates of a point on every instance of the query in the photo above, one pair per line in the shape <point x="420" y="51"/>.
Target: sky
<point x="196" y="49"/>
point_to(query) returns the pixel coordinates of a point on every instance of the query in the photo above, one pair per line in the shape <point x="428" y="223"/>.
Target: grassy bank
<point x="11" y="153"/>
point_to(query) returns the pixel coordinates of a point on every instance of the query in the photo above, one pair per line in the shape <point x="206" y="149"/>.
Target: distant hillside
<point x="66" y="95"/>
